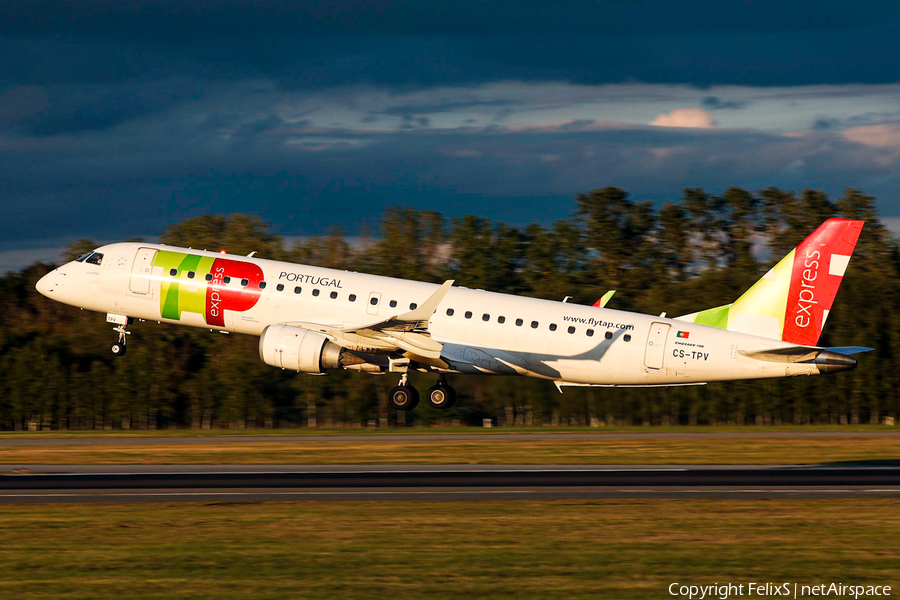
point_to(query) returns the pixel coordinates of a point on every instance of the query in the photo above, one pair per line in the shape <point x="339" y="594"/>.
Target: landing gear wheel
<point x="441" y="396"/>
<point x="403" y="397"/>
<point x="118" y="349"/>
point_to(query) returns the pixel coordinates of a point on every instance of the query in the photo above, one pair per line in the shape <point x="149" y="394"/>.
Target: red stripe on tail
<point x="819" y="264"/>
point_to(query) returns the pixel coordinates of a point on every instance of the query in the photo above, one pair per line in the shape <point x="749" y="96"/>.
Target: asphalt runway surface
<point x="409" y="436"/>
<point x="228" y="483"/>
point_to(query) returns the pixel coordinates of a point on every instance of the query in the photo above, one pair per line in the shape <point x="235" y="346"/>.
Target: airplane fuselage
<point x="480" y="332"/>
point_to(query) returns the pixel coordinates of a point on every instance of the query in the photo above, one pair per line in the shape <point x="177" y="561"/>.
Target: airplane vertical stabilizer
<point x="791" y="302"/>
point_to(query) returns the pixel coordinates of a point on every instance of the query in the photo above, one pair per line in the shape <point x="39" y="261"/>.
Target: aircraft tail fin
<point x="791" y="302"/>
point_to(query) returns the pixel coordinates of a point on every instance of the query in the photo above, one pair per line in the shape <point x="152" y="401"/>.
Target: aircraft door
<point x="373" y="302"/>
<point x="654" y="354"/>
<point x="140" y="273"/>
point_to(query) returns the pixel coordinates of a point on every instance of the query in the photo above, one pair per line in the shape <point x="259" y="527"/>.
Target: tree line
<point x="700" y="251"/>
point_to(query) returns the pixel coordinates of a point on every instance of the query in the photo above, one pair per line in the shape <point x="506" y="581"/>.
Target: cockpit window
<point x="95" y="258"/>
<point x="84" y="256"/>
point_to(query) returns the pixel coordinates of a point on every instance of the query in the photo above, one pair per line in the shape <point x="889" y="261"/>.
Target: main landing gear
<point x="441" y="395"/>
<point x="406" y="397"/>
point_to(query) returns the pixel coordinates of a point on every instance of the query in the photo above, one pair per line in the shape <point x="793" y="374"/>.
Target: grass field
<point x="414" y="431"/>
<point x="764" y="446"/>
<point x="523" y="549"/>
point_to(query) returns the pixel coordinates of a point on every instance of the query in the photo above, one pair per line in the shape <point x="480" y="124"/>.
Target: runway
<point x="217" y="483"/>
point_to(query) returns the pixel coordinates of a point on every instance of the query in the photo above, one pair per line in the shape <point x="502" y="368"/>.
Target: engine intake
<point x="300" y="349"/>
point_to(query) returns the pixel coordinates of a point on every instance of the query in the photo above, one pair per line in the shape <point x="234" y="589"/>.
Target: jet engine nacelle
<point x="299" y="349"/>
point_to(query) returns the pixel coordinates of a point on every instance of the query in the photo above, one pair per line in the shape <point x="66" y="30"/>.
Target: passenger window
<point x="468" y="314"/>
<point x="279" y="287"/>
<point x="501" y="319"/>
<point x="552" y="326"/>
<point x="485" y="317"/>
<point x="571" y="330"/>
<point x="589" y="333"/>
<point x="315" y="292"/>
<point x="352" y="298"/>
<point x="609" y="335"/>
<point x="373" y="301"/>
<point x="333" y="295"/>
<point x="190" y="274"/>
<point x="245" y="282"/>
<point x="262" y="285"/>
<point x="412" y="306"/>
<point x="297" y="290"/>
<point x="534" y="324"/>
<point x="226" y="280"/>
<point x="209" y="276"/>
<point x="172" y="272"/>
<point x="393" y="303"/>
<point x="449" y="312"/>
<point x="94" y="259"/>
<point x="519" y="322"/>
<point x="626" y="337"/>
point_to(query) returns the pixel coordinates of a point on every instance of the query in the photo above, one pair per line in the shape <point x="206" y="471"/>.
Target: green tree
<point x="621" y="232"/>
<point x="237" y="234"/>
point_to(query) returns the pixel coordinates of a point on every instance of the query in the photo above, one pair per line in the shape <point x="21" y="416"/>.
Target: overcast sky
<point x="120" y="117"/>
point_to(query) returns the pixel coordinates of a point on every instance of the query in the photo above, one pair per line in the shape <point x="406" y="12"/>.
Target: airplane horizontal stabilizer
<point x="850" y="349"/>
<point x="826" y="360"/>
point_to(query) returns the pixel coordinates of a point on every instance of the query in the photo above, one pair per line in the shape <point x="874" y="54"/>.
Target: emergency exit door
<point x="140" y="273"/>
<point x="654" y="355"/>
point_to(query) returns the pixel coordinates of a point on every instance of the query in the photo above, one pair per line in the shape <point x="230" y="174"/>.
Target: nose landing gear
<point x="118" y="348"/>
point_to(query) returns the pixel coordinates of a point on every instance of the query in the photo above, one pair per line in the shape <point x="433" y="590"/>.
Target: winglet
<point x="604" y="299"/>
<point x="427" y="308"/>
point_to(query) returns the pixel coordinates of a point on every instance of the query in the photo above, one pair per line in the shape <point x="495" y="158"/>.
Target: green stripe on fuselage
<point x="175" y="293"/>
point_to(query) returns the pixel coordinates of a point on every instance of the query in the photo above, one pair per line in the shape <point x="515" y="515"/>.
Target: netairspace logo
<point x="784" y="590"/>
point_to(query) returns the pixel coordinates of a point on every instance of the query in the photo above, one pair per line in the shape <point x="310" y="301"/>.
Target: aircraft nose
<point x="41" y="285"/>
<point x="44" y="285"/>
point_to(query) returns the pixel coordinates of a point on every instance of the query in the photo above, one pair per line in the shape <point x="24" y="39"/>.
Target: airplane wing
<point x="407" y="331"/>
<point x="414" y="320"/>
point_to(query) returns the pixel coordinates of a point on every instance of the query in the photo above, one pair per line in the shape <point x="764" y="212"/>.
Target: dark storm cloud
<point x="161" y="19"/>
<point x="824" y="123"/>
<point x="68" y="108"/>
<point x="334" y="43"/>
<point x="441" y="107"/>
<point x="118" y="117"/>
<point x="716" y="103"/>
<point x="305" y="182"/>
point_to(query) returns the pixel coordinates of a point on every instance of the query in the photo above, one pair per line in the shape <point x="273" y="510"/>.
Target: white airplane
<point x="312" y="319"/>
